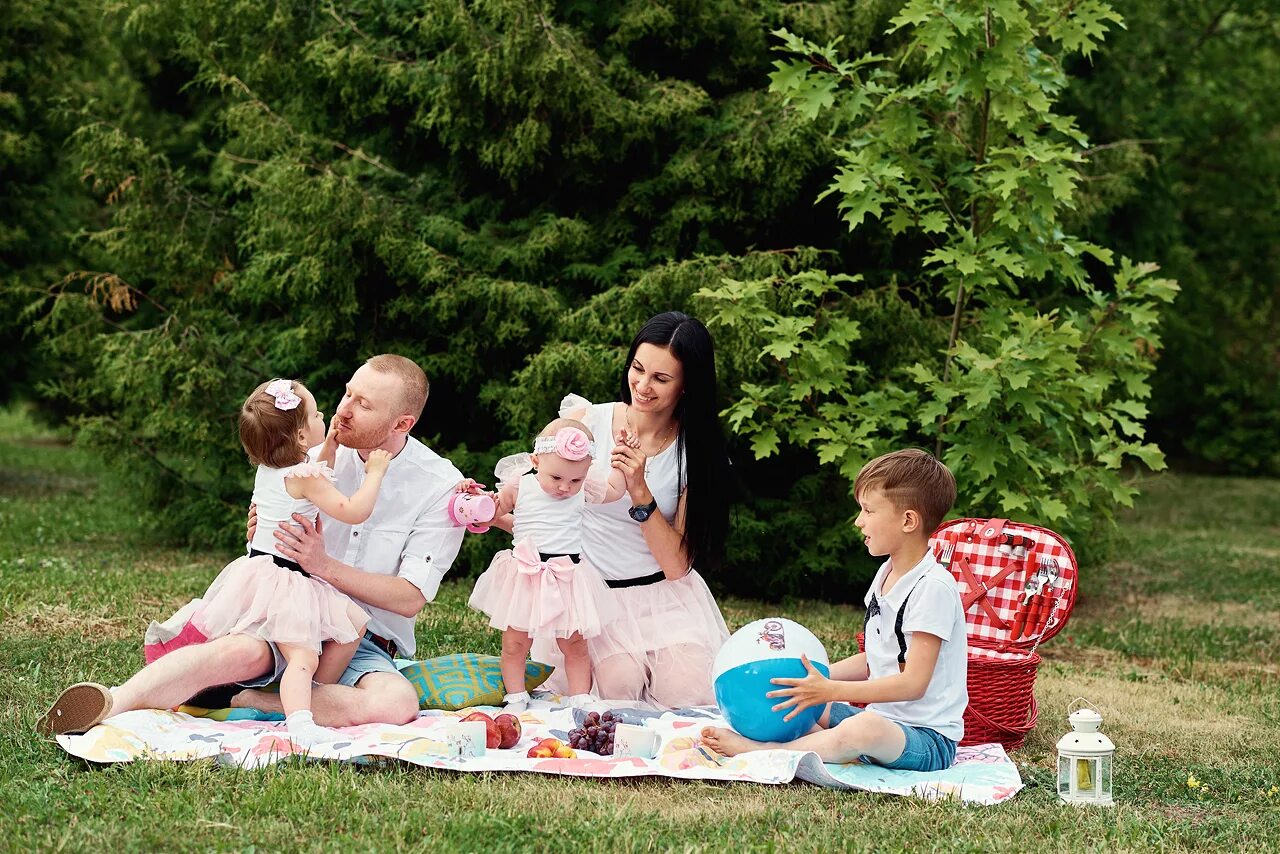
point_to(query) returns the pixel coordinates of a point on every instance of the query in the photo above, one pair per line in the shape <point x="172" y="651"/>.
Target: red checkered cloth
<point x="993" y="560"/>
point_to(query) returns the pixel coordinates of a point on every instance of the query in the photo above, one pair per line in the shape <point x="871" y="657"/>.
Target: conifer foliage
<point x="876" y="206"/>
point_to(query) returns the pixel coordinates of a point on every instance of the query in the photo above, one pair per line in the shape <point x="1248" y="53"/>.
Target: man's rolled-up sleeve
<point x="431" y="547"/>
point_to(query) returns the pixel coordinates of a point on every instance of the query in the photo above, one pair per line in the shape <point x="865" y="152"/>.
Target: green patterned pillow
<point x="453" y="682"/>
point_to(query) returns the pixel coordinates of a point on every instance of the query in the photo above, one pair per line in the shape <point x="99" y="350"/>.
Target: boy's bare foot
<point x="78" y="709"/>
<point x="726" y="742"/>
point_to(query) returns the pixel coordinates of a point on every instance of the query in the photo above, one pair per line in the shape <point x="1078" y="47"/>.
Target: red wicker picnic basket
<point x="1018" y="584"/>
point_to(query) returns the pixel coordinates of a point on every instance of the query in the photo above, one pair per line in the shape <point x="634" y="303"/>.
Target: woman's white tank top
<point x="611" y="540"/>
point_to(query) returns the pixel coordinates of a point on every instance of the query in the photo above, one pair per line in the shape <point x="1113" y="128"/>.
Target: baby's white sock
<point x="582" y="701"/>
<point x="515" y="703"/>
<point x="304" y="730"/>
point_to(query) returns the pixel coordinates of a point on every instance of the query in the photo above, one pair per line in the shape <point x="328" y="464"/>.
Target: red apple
<point x="491" y="734"/>
<point x="509" y="728"/>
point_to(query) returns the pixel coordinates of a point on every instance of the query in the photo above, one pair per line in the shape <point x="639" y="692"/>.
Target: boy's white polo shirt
<point x="933" y="606"/>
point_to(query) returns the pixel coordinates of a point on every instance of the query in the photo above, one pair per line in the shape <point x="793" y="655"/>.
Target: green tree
<point x="466" y="185"/>
<point x="951" y="146"/>
<point x="51" y="57"/>
<point x="1190" y="175"/>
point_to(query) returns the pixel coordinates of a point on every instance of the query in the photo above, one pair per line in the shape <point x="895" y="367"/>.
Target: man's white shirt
<point x="409" y="534"/>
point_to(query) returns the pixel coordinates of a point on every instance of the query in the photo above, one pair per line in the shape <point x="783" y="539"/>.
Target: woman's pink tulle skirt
<point x="543" y="604"/>
<point x="254" y="596"/>
<point x="657" y="650"/>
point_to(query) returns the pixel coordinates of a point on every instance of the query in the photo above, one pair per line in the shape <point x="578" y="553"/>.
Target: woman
<point x="674" y="516"/>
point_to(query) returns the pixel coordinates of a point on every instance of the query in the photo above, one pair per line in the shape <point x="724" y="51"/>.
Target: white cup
<point x="633" y="740"/>
<point x="464" y="738"/>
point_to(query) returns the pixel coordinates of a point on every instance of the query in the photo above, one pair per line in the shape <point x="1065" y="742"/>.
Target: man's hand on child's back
<point x="814" y="689"/>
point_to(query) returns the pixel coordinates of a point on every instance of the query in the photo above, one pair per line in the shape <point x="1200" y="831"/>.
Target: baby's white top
<point x="276" y="505"/>
<point x="554" y="524"/>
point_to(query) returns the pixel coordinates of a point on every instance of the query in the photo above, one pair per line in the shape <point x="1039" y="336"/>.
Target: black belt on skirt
<point x="387" y="645"/>
<point x="546" y="556"/>
<point x="642" y="581"/>
<point x="291" y="565"/>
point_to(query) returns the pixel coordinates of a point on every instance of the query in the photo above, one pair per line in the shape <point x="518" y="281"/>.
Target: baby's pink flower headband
<point x="568" y="442"/>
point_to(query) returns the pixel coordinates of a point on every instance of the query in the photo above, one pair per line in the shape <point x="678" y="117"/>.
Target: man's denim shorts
<point x="926" y="750"/>
<point x="369" y="658"/>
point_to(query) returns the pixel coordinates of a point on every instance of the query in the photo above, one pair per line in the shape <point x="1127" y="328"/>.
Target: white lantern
<point x="1084" y="758"/>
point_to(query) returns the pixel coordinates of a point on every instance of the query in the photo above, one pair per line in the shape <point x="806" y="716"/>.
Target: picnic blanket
<point x="983" y="774"/>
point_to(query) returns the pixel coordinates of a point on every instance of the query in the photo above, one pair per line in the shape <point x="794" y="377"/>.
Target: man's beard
<point x="369" y="437"/>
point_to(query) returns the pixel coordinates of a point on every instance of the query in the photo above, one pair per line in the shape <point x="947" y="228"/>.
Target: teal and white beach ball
<point x="753" y="655"/>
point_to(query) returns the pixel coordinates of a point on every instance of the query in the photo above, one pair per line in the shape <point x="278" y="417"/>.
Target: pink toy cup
<point x="473" y="512"/>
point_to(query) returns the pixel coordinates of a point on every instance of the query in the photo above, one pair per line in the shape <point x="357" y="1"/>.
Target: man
<point x="392" y="565"/>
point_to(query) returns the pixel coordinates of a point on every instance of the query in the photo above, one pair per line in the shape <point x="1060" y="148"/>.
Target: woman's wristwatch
<point x="644" y="511"/>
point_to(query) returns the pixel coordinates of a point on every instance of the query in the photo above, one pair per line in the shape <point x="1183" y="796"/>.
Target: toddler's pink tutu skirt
<point x="659" y="647"/>
<point x="254" y="596"/>
<point x="553" y="602"/>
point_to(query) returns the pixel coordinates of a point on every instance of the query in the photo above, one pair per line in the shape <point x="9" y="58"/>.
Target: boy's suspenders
<point x="874" y="610"/>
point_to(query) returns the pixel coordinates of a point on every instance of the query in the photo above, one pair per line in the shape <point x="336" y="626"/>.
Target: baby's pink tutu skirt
<point x="254" y="596"/>
<point x="577" y="601"/>
<point x="664" y="637"/>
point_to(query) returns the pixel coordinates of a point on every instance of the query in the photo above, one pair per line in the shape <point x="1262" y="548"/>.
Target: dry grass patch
<point x="1159" y="716"/>
<point x="1253" y="551"/>
<point x="60" y="621"/>
<point x="1196" y="612"/>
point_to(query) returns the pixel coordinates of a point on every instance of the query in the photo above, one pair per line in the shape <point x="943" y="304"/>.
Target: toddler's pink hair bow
<point x="282" y="391"/>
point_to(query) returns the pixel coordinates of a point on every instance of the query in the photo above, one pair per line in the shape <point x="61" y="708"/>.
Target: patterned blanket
<point x="980" y="775"/>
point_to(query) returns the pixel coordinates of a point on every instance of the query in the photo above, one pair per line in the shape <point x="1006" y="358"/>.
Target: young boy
<point x="912" y="675"/>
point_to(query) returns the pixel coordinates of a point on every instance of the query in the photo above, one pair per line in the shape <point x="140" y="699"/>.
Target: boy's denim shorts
<point x="926" y="750"/>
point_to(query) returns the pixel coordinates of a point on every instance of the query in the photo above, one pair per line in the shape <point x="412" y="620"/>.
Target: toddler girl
<point x="541" y="587"/>
<point x="273" y="598"/>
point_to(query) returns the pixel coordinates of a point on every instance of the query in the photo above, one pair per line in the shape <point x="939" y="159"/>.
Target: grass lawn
<point x="1176" y="638"/>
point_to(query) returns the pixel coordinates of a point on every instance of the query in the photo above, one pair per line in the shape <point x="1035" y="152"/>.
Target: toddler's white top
<point x="276" y="505"/>
<point x="933" y="605"/>
<point x="554" y="524"/>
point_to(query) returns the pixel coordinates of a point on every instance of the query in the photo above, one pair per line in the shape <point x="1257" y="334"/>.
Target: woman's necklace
<point x="665" y="438"/>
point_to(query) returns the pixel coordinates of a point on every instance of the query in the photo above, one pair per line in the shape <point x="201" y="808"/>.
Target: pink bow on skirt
<point x="555" y="574"/>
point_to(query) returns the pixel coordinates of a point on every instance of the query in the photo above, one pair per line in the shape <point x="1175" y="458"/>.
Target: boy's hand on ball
<point x="814" y="689"/>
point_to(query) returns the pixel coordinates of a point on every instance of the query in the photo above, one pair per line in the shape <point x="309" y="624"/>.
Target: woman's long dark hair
<point x="702" y="460"/>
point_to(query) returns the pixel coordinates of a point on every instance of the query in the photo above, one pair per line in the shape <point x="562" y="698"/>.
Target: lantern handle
<point x="1071" y="705"/>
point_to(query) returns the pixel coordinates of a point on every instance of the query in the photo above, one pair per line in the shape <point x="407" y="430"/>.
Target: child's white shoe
<point x="515" y="703"/>
<point x="582" y="701"/>
<point x="305" y="732"/>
